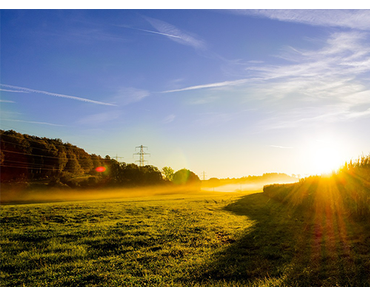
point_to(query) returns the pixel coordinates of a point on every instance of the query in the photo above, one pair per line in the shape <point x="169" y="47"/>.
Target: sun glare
<point x="326" y="161"/>
<point x="326" y="157"/>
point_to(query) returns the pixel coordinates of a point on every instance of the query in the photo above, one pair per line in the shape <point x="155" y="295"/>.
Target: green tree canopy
<point x="168" y="172"/>
<point x="185" y="177"/>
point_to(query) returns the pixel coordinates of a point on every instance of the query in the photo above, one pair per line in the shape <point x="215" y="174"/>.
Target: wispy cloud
<point x="315" y="85"/>
<point x="100" y="118"/>
<point x="332" y="75"/>
<point x="202" y="100"/>
<point x="125" y="96"/>
<point x="174" y="33"/>
<point x="169" y="119"/>
<point x="6" y="101"/>
<point x="88" y="34"/>
<point x="315" y="116"/>
<point x="343" y="54"/>
<point x="32" y="122"/>
<point x="56" y="95"/>
<point x="357" y="114"/>
<point x="354" y="19"/>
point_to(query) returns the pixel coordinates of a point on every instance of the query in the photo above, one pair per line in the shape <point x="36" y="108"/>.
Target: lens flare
<point x="100" y="169"/>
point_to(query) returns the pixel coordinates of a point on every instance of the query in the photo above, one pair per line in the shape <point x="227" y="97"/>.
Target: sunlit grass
<point x="192" y="239"/>
<point x="152" y="241"/>
<point x="336" y="238"/>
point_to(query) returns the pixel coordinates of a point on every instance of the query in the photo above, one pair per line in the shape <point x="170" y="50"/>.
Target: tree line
<point x="25" y="158"/>
<point x="266" y="178"/>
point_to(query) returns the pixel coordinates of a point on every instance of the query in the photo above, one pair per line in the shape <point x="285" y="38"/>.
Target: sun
<point x="324" y="155"/>
<point x="326" y="159"/>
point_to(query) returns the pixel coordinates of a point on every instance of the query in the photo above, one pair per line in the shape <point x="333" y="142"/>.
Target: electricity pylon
<point x="116" y="157"/>
<point x="141" y="154"/>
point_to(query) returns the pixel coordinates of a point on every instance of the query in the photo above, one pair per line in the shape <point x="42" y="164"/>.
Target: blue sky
<point x="229" y="92"/>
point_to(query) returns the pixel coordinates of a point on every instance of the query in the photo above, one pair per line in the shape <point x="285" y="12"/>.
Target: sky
<point x="224" y="92"/>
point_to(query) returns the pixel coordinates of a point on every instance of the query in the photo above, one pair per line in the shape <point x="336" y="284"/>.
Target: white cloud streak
<point x="212" y="85"/>
<point x="330" y="82"/>
<point x="169" y="119"/>
<point x="100" y="118"/>
<point x="174" y="34"/>
<point x="13" y="91"/>
<point x="125" y="96"/>
<point x="353" y="19"/>
<point x="332" y="73"/>
<point x="33" y="122"/>
<point x="57" y="95"/>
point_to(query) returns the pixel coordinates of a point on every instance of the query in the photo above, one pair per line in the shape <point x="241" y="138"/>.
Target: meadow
<point x="179" y="239"/>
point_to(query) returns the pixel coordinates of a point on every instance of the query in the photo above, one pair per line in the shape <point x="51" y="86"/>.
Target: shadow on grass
<point x="290" y="247"/>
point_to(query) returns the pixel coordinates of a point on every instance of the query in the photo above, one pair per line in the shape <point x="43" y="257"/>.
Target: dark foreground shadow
<point x="290" y="247"/>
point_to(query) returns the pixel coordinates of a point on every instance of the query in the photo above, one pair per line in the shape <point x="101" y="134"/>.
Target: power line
<point x="9" y="163"/>
<point x="44" y="156"/>
<point x="65" y="149"/>
<point x="141" y="154"/>
<point x="26" y="163"/>
<point x="65" y="146"/>
<point x="56" y="142"/>
<point x="116" y="157"/>
<point x="29" y="137"/>
<point x="49" y="157"/>
<point x="28" y="167"/>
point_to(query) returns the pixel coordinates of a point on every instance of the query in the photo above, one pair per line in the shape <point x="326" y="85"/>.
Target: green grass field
<point x="193" y="239"/>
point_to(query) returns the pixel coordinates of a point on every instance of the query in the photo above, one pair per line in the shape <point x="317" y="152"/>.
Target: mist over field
<point x="184" y="147"/>
<point x="84" y="220"/>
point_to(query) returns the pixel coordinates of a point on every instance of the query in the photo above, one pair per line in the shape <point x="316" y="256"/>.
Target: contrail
<point x="13" y="91"/>
<point x="171" y="32"/>
<point x="58" y="95"/>
<point x="212" y="85"/>
<point x="159" y="33"/>
<point x="33" y="122"/>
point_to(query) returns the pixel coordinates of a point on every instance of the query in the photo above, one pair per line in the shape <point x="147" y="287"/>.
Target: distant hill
<point x="266" y="178"/>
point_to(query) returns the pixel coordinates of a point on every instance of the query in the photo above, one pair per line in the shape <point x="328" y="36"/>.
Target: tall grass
<point x="346" y="191"/>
